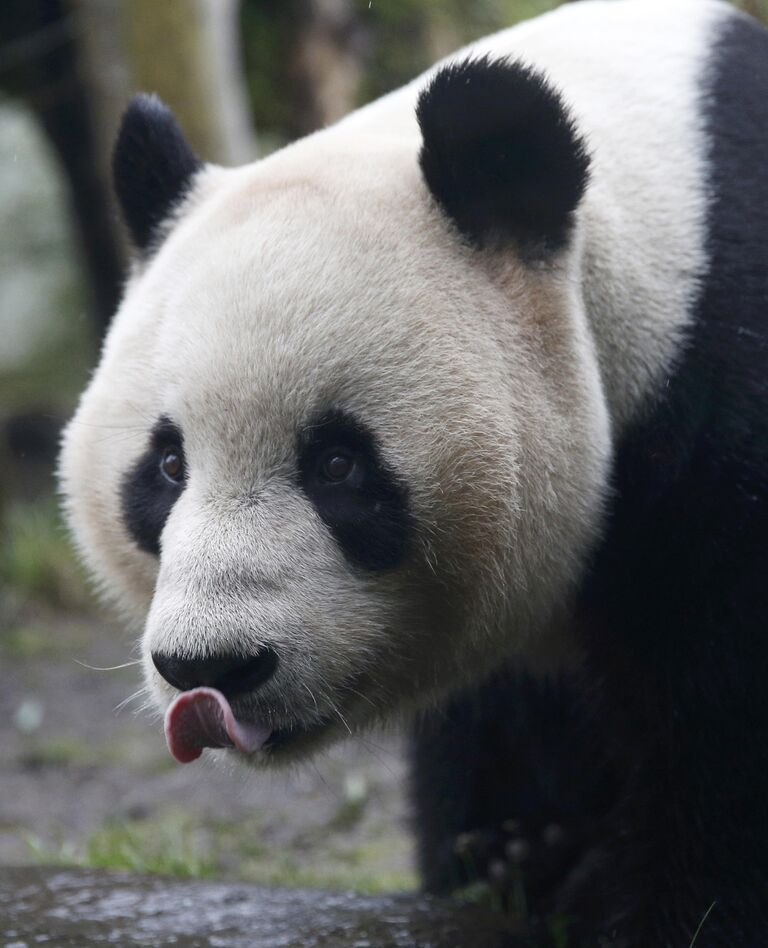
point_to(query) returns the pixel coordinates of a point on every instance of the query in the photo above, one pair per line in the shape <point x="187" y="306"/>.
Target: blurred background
<point x="84" y="779"/>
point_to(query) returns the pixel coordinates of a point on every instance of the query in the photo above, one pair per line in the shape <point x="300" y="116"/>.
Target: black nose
<point x="230" y="674"/>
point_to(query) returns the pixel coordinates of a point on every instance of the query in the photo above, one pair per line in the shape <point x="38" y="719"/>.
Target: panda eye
<point x="356" y="495"/>
<point x="336" y="465"/>
<point x="172" y="464"/>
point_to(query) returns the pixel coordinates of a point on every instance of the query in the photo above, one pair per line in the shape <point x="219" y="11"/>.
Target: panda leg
<point x="506" y="789"/>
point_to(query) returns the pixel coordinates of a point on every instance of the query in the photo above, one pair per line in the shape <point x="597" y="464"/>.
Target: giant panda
<point x="455" y="413"/>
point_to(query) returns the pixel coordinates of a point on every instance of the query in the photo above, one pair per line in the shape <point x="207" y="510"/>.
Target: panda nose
<point x="230" y="674"/>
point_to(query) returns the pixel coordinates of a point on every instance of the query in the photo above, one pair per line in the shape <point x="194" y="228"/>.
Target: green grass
<point x="173" y="844"/>
<point x="29" y="640"/>
<point x="165" y="846"/>
<point x="289" y="872"/>
<point x="37" y="562"/>
<point x="511" y="902"/>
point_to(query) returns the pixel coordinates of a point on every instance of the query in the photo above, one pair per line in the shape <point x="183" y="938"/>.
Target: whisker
<point x="375" y="750"/>
<point x="322" y="778"/>
<point x="126" y="701"/>
<point x="340" y="716"/>
<point x="311" y="695"/>
<point x="148" y="705"/>
<point x="354" y="691"/>
<point x="106" y="668"/>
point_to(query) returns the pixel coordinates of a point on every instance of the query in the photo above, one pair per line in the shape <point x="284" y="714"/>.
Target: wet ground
<point x="82" y="783"/>
<point x="85" y="909"/>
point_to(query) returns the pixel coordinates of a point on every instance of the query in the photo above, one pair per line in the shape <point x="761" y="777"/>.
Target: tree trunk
<point x="189" y="54"/>
<point x="327" y="61"/>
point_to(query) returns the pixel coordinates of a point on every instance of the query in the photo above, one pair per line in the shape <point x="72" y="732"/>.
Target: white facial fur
<point x="325" y="276"/>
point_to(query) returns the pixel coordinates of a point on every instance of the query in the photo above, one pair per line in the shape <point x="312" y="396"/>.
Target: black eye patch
<point x="147" y="494"/>
<point x="354" y="492"/>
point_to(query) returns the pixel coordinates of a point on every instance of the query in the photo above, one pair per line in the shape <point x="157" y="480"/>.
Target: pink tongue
<point x="203" y="718"/>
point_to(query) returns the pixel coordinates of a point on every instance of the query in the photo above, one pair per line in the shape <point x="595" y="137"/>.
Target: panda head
<point x="344" y="449"/>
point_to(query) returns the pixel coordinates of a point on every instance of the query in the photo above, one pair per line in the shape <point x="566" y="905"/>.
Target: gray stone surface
<point x="86" y="908"/>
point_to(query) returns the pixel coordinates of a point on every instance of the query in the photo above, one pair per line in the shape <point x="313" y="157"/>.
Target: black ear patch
<point x="152" y="167"/>
<point x="501" y="155"/>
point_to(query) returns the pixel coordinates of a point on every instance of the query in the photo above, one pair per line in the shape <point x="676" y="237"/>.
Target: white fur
<point x="326" y="275"/>
<point x="633" y="75"/>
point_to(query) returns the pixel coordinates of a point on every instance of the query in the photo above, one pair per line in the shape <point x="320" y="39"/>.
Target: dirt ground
<point x="83" y="781"/>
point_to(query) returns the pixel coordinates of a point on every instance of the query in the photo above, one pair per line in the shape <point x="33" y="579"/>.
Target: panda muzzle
<point x="203" y="717"/>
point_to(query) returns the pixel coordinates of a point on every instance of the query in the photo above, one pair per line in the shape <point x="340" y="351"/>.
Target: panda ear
<point x="501" y="154"/>
<point x="153" y="167"/>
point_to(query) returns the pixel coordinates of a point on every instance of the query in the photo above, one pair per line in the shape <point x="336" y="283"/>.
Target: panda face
<point x="317" y="455"/>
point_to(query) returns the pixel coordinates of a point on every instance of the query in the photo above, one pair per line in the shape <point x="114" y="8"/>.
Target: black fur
<point x="367" y="513"/>
<point x="500" y="153"/>
<point x="148" y="497"/>
<point x="517" y="750"/>
<point x="153" y="168"/>
<point x="674" y="612"/>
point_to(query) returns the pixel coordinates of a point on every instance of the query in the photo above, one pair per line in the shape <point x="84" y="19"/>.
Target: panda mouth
<point x="203" y="717"/>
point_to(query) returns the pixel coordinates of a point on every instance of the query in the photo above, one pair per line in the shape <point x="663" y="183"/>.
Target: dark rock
<point x="88" y="908"/>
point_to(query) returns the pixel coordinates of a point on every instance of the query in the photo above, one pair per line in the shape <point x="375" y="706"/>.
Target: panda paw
<point x="518" y="861"/>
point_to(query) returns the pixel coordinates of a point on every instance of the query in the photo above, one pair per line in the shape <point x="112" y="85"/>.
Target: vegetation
<point x="173" y="844"/>
<point x="384" y="43"/>
<point x="37" y="561"/>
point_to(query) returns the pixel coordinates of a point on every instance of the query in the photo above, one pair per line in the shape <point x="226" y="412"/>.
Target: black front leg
<point x="507" y="789"/>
